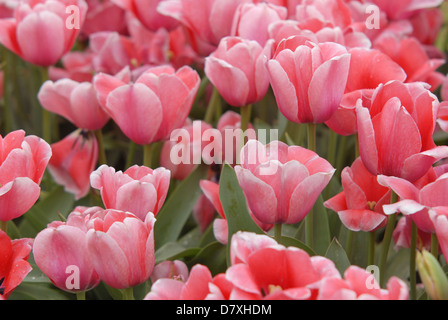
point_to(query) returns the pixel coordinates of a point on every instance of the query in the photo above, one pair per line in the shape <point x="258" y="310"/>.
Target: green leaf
<point x="213" y="256"/>
<point x="178" y="207"/>
<point x="337" y="254"/>
<point x="321" y="231"/>
<point x="46" y="210"/>
<point x="234" y="204"/>
<point x="291" y="242"/>
<point x="173" y="251"/>
<point x="39" y="291"/>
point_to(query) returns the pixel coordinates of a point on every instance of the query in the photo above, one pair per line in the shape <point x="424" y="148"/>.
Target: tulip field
<point x="223" y="150"/>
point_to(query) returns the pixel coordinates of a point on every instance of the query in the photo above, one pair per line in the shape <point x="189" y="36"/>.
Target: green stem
<point x="434" y="245"/>
<point x="46" y="115"/>
<point x="147" y="155"/>
<point x="246" y="112"/>
<point x="309" y="237"/>
<point x="387" y="238"/>
<point x="412" y="262"/>
<point x="332" y="147"/>
<point x="349" y="245"/>
<point x="81" y="295"/>
<point x="357" y="153"/>
<point x="128" y="293"/>
<point x="130" y="155"/>
<point x="214" y="104"/>
<point x="102" y="152"/>
<point x="278" y="232"/>
<point x="371" y="258"/>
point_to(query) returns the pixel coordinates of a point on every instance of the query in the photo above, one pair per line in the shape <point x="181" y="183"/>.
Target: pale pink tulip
<point x="41" y="32"/>
<point x="139" y="190"/>
<point x="168" y="269"/>
<point x="121" y="247"/>
<point x="308" y="79"/>
<point x="281" y="183"/>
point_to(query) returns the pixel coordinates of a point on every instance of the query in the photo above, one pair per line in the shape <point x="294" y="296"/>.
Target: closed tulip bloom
<point x="281" y="183"/>
<point x="149" y="109"/>
<point x="14" y="265"/>
<point x="168" y="269"/>
<point x="41" y="32"/>
<point x="308" y="79"/>
<point x="139" y="190"/>
<point x="359" y="206"/>
<point x="23" y="162"/>
<point x="74" y="159"/>
<point x="75" y="101"/>
<point x="237" y="69"/>
<point x="395" y="136"/>
<point x="121" y="247"/>
<point x="60" y="250"/>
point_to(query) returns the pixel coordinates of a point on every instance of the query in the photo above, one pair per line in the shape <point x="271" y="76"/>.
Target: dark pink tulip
<point x="41" y="32"/>
<point x="146" y="12"/>
<point x="395" y="136"/>
<point x="237" y="69"/>
<point x="74" y="159"/>
<point x="23" y="160"/>
<point x="103" y="16"/>
<point x="149" y="109"/>
<point x="251" y="21"/>
<point x="60" y="252"/>
<point x="403" y="233"/>
<point x="121" y="247"/>
<point x="139" y="190"/>
<point x="14" y="265"/>
<point x="359" y="206"/>
<point x="281" y="183"/>
<point x="404" y="8"/>
<point x="308" y="79"/>
<point x="75" y="101"/>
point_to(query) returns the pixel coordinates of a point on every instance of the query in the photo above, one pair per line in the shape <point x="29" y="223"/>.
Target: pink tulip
<point x="243" y="244"/>
<point x="359" y="284"/>
<point x="404" y="8"/>
<point x="237" y="69"/>
<point x="168" y="269"/>
<point x="14" y="265"/>
<point x="76" y="65"/>
<point x="41" y="32"/>
<point x="279" y="273"/>
<point x="149" y="109"/>
<point x="251" y="21"/>
<point x="23" y="161"/>
<point x="146" y="12"/>
<point x="410" y="54"/>
<point x="281" y="183"/>
<point x="60" y="252"/>
<point x="308" y="79"/>
<point x="403" y="233"/>
<point x="442" y="234"/>
<point x="77" y="102"/>
<point x="334" y="13"/>
<point x="359" y="206"/>
<point x="395" y="136"/>
<point x="368" y="69"/>
<point x="121" y="247"/>
<point x="207" y="24"/>
<point x="103" y="16"/>
<point x="74" y="159"/>
<point x="139" y="190"/>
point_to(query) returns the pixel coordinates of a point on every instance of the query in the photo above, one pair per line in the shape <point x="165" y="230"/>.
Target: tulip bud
<point x="432" y="275"/>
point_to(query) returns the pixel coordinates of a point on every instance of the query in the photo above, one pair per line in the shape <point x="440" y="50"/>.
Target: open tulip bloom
<point x="223" y="150"/>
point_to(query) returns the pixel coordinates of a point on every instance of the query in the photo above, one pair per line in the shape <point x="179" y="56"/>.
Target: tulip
<point x="206" y="24"/>
<point x="14" y="265"/>
<point x="237" y="69"/>
<point x="146" y="12"/>
<point x="139" y="190"/>
<point x="74" y="159"/>
<point x="176" y="269"/>
<point x="308" y="79"/>
<point x="432" y="275"/>
<point x="403" y="233"/>
<point x="281" y="183"/>
<point x="41" y="32"/>
<point x="395" y="137"/>
<point x="252" y="20"/>
<point x="103" y="16"/>
<point x="151" y="108"/>
<point x="330" y="12"/>
<point x="23" y="162"/>
<point x="400" y="9"/>
<point x="121" y="247"/>
<point x="359" y="206"/>
<point x="75" y="101"/>
<point x="60" y="252"/>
